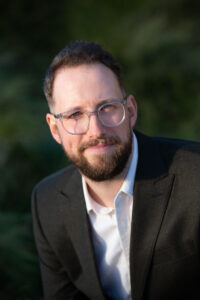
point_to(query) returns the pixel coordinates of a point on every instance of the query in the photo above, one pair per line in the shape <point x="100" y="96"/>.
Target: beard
<point x="107" y="166"/>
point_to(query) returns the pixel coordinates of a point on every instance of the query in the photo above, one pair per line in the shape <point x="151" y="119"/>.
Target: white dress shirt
<point x="111" y="228"/>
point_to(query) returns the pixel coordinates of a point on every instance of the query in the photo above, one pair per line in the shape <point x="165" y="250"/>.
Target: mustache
<point x="103" y="141"/>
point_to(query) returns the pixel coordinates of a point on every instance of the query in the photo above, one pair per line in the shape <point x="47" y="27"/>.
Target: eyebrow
<point x="99" y="104"/>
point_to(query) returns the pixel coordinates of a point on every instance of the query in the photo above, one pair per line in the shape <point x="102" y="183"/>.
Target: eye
<point x="108" y="107"/>
<point x="73" y="115"/>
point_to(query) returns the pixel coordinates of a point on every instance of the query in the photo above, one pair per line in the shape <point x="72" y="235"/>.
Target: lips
<point x="99" y="146"/>
<point x="99" y="143"/>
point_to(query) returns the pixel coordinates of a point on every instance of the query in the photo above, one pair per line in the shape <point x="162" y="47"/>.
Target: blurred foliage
<point x="18" y="264"/>
<point x="158" y="45"/>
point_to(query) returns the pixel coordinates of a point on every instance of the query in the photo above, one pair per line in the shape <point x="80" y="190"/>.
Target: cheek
<point x="125" y="129"/>
<point x="71" y="144"/>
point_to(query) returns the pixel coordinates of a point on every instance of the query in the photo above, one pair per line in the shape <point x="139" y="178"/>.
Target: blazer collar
<point x="152" y="190"/>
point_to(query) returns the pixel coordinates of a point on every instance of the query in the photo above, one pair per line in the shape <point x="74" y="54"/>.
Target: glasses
<point x="110" y="114"/>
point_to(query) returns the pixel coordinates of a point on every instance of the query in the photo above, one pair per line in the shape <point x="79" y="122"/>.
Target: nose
<point x="95" y="128"/>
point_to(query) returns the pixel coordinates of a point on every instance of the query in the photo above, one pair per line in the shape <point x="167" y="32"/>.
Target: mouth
<point x="99" y="146"/>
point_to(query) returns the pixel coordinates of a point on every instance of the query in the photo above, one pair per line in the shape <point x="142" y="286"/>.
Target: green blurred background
<point x="158" y="45"/>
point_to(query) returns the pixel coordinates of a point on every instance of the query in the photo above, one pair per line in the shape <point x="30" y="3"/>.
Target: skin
<point x="86" y="87"/>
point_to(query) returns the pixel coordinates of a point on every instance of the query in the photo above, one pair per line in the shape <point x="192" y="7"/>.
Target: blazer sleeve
<point x="55" y="281"/>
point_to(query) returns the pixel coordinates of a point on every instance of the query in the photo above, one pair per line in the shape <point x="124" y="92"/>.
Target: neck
<point x="104" y="192"/>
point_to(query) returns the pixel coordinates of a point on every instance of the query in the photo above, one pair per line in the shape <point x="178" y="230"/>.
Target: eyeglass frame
<point x="95" y="112"/>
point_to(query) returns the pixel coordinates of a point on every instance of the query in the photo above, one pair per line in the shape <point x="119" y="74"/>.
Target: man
<point x="122" y="222"/>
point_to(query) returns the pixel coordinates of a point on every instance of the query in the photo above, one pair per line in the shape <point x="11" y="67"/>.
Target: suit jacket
<point x="165" y="233"/>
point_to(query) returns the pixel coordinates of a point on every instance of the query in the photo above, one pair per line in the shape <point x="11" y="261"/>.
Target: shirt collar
<point x="128" y="184"/>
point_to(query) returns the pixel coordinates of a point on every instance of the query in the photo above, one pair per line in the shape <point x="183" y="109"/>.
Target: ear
<point x="132" y="110"/>
<point x="53" y="127"/>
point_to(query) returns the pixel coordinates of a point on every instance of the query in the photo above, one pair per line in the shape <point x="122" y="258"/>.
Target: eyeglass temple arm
<point x="57" y="116"/>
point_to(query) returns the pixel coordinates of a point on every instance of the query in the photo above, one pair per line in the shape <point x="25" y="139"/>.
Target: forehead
<point x="84" y="86"/>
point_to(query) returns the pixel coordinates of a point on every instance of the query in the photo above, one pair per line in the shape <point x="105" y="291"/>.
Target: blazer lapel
<point x="78" y="229"/>
<point x="151" y="194"/>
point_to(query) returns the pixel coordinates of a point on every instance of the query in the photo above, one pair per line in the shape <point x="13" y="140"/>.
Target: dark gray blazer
<point x="165" y="235"/>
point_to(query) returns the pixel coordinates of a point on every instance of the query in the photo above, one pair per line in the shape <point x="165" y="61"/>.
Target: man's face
<point x="102" y="152"/>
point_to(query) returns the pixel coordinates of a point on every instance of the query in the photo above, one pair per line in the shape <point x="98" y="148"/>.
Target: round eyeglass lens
<point x="112" y="114"/>
<point x="76" y="125"/>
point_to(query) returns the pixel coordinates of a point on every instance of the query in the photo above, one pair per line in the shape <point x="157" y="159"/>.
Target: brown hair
<point x="75" y="54"/>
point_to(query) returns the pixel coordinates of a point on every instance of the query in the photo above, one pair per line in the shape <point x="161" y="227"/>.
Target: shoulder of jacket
<point x="182" y="149"/>
<point x="176" y="153"/>
<point x="55" y="180"/>
<point x="172" y="144"/>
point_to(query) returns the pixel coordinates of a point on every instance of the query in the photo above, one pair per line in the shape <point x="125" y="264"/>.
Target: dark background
<point x="158" y="45"/>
